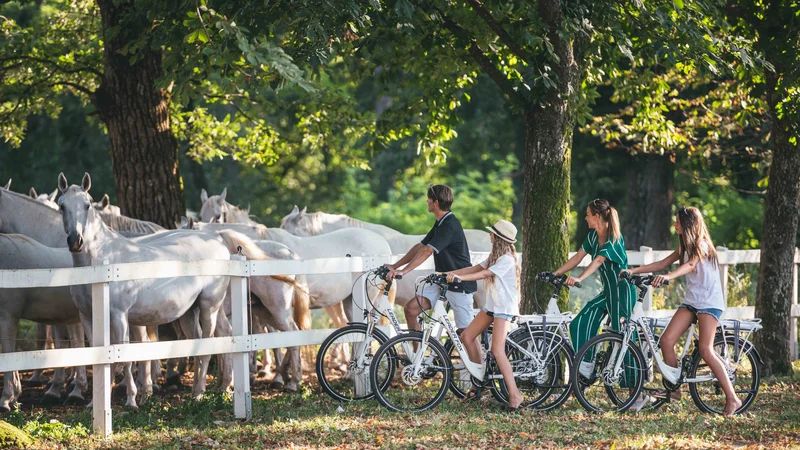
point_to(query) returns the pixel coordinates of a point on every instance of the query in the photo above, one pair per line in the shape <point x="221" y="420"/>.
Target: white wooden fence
<point x="102" y="354"/>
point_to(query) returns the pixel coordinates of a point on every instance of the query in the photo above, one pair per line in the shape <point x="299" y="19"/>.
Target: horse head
<point x="215" y="208"/>
<point x="75" y="205"/>
<point x="298" y="222"/>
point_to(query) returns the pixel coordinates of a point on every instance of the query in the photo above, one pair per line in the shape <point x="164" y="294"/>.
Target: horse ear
<point x="33" y="193"/>
<point x="8" y="185"/>
<point x="224" y="193"/>
<point x="190" y="225"/>
<point x="184" y="222"/>
<point x="105" y="201"/>
<point x="203" y="196"/>
<point x="62" y="182"/>
<point x="53" y="195"/>
<point x="302" y="212"/>
<point x="295" y="210"/>
<point x="86" y="183"/>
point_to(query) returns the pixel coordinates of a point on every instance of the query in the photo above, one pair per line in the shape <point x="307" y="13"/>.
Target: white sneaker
<point x="641" y="402"/>
<point x="586" y="368"/>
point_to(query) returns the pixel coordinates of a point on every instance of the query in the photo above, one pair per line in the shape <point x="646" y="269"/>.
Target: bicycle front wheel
<point x="343" y="363"/>
<point x="542" y="362"/>
<point x="745" y="376"/>
<point x="597" y="384"/>
<point x="421" y="375"/>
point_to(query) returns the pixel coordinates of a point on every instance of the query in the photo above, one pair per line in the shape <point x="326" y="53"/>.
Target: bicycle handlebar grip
<point x="398" y="277"/>
<point x="578" y="284"/>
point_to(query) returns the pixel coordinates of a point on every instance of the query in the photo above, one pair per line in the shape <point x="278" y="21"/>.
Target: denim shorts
<point x="717" y="313"/>
<point x="508" y="317"/>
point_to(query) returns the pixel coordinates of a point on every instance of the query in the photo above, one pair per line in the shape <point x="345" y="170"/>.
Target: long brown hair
<point x="610" y="216"/>
<point x="500" y="247"/>
<point x="694" y="234"/>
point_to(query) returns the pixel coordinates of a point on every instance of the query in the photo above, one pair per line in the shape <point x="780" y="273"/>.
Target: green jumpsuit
<point x="618" y="297"/>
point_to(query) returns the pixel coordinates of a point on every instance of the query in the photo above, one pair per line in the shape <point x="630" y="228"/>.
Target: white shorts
<point x="460" y="303"/>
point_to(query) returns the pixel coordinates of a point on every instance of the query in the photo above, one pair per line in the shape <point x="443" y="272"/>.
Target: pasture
<point x="310" y="419"/>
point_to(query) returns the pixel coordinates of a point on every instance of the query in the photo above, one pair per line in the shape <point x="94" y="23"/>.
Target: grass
<point x="310" y="419"/>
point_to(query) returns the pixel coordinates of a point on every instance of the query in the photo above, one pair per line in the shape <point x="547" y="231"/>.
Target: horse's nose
<point x="75" y="242"/>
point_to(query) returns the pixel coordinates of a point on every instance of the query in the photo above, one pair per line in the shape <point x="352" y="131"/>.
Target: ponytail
<point x="612" y="220"/>
<point x="603" y="208"/>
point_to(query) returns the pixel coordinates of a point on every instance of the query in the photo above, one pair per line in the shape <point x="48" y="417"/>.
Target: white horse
<point x="301" y="223"/>
<point x="216" y="209"/>
<point x="327" y="291"/>
<point x="48" y="305"/>
<point x="104" y="205"/>
<point x="153" y="302"/>
<point x="47" y="199"/>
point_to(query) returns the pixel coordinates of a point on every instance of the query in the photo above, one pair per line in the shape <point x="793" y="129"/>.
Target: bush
<point x="11" y="436"/>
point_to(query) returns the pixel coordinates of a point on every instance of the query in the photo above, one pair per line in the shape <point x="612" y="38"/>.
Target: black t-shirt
<point x="450" y="249"/>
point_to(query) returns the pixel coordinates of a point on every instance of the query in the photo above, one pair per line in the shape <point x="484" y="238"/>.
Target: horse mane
<point x="128" y="225"/>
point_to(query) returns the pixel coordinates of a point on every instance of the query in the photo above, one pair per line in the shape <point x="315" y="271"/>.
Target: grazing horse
<point x="301" y="223"/>
<point x="216" y="209"/>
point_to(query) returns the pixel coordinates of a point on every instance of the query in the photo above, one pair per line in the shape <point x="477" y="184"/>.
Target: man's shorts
<point x="460" y="303"/>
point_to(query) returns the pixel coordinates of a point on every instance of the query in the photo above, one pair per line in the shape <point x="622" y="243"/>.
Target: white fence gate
<point x="102" y="354"/>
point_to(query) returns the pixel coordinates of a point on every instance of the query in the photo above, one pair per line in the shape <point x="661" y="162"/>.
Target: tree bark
<point x="144" y="152"/>
<point x="548" y="145"/>
<point x="648" y="214"/>
<point x="778" y="237"/>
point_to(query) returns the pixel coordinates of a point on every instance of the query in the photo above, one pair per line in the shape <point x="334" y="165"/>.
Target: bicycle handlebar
<point x="556" y="280"/>
<point x="440" y="280"/>
<point x="383" y="272"/>
<point x="640" y="280"/>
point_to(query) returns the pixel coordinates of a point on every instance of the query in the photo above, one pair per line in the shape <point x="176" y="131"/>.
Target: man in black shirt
<point x="448" y="245"/>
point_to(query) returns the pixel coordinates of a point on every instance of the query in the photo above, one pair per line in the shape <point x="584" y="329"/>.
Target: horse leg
<point x="53" y="394"/>
<point x="120" y="334"/>
<point x="80" y="384"/>
<point x="145" y="379"/>
<point x="205" y="328"/>
<point x="224" y="329"/>
<point x="155" y="365"/>
<point x="42" y="331"/>
<point x="8" y="341"/>
<point x="174" y="371"/>
<point x="292" y="360"/>
<point x="336" y="313"/>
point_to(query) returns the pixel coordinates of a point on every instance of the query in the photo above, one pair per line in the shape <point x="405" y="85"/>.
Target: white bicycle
<point x="419" y="370"/>
<point x="620" y="368"/>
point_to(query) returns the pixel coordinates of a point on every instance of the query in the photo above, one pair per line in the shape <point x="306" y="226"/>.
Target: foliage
<point x="310" y="419"/>
<point x="11" y="436"/>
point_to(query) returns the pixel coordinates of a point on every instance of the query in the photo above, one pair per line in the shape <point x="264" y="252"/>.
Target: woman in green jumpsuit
<point x="607" y="249"/>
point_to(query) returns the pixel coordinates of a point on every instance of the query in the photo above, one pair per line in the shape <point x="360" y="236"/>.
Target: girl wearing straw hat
<point x="501" y="272"/>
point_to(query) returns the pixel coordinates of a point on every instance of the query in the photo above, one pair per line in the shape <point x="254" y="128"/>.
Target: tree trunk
<point x="648" y="214"/>
<point x="778" y="237"/>
<point x="144" y="152"/>
<point x="548" y="145"/>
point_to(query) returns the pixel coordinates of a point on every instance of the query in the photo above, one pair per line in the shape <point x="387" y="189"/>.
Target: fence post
<point x="647" y="258"/>
<point x="722" y="255"/>
<point x="101" y="373"/>
<point x="361" y="381"/>
<point x="793" y="318"/>
<point x="242" y="405"/>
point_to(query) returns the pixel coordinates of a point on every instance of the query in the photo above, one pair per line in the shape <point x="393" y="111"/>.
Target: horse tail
<point x="234" y="240"/>
<point x="301" y="306"/>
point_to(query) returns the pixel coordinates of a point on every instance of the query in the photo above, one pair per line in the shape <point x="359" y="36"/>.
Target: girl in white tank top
<point x="704" y="300"/>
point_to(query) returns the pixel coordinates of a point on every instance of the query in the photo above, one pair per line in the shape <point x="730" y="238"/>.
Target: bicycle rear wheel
<point x="343" y="363"/>
<point x="603" y="390"/>
<point x="412" y="387"/>
<point x="746" y="379"/>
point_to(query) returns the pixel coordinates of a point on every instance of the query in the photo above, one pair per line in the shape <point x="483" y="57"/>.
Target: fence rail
<point x="103" y="354"/>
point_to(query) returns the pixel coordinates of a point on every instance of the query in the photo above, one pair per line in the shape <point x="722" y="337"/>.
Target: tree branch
<point x="52" y="64"/>
<point x="500" y="31"/>
<point x="477" y="54"/>
<point x="75" y="86"/>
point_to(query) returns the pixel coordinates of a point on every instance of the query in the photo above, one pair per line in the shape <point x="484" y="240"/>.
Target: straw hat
<point x="505" y="230"/>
